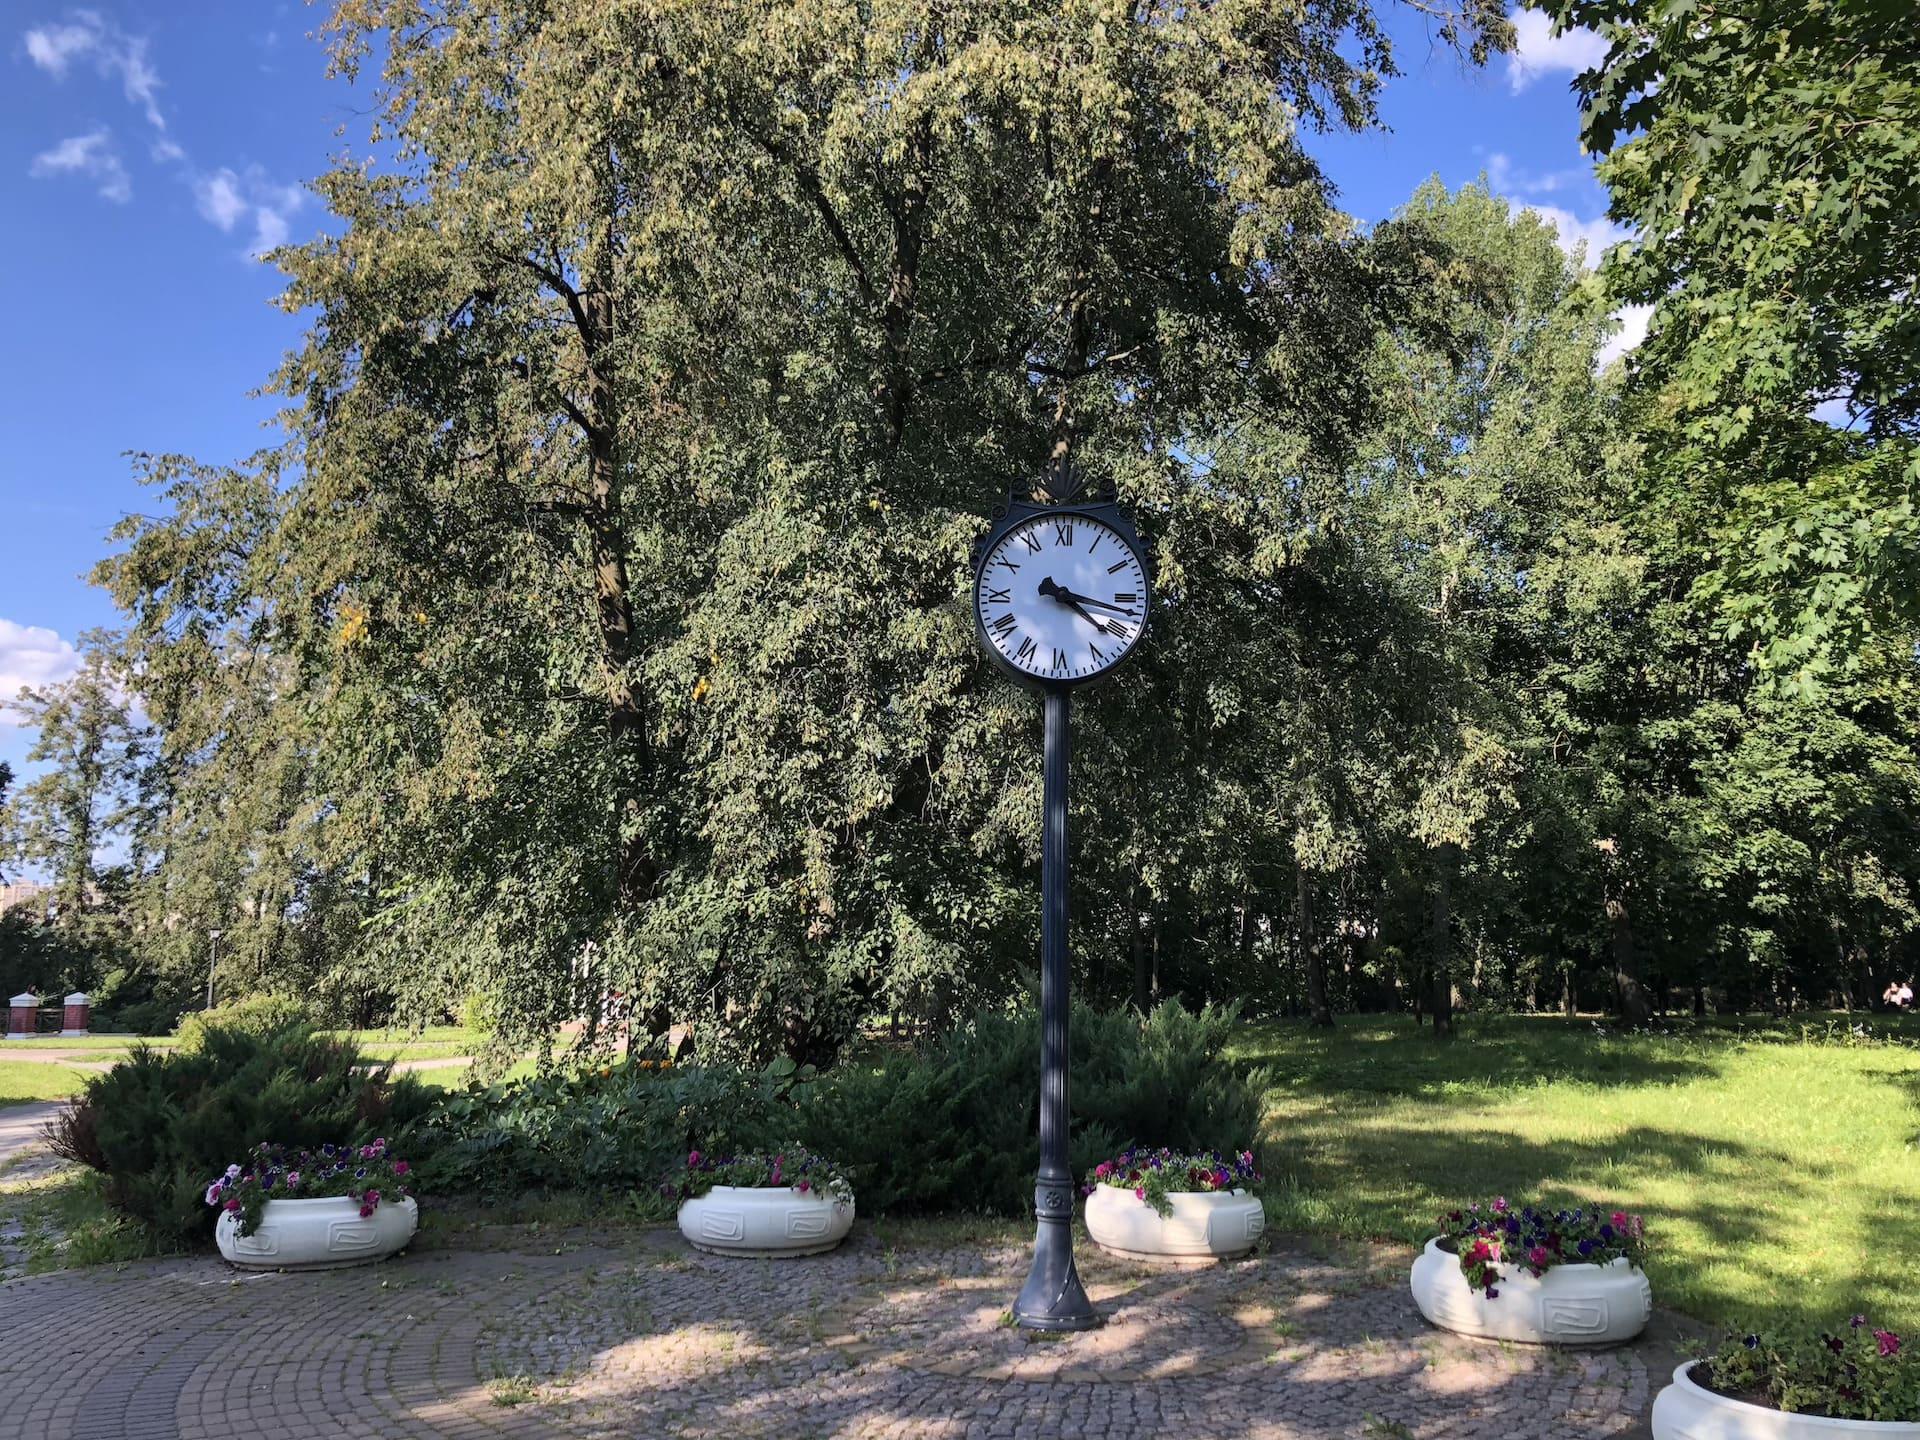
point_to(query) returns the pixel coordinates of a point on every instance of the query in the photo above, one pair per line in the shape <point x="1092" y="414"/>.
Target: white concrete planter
<point x="1205" y="1226"/>
<point x="1686" y="1411"/>
<point x="764" y="1220"/>
<point x="317" y="1234"/>
<point x="1569" y="1305"/>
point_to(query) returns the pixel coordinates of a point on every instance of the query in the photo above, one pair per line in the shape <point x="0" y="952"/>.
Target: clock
<point x="1060" y="593"/>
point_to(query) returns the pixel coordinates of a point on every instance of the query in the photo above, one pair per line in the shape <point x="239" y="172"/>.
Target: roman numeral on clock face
<point x="1063" y="532"/>
<point x="999" y="597"/>
<point x="1116" y="567"/>
<point x="1027" y="647"/>
<point x="1003" y="627"/>
<point x="1030" y="540"/>
<point x="1059" y="659"/>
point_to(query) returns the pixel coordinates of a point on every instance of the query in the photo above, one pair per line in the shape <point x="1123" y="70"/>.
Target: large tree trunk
<point x="1142" y="956"/>
<point x="1440" y="939"/>
<point x="1634" y="1009"/>
<point x="1312" y="952"/>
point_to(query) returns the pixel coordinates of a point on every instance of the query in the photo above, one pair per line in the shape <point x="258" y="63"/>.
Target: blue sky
<point x="149" y="152"/>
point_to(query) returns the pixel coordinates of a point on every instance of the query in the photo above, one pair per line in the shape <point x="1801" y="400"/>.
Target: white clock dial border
<point x="1047" y="638"/>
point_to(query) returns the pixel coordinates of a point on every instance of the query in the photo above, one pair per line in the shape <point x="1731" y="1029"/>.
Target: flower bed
<point x="787" y="1202"/>
<point x="1861" y="1380"/>
<point x="1560" y="1277"/>
<point x="286" y="1210"/>
<point x="1167" y="1206"/>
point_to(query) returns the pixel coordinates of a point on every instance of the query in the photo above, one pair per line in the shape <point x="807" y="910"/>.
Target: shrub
<point x="956" y="1127"/>
<point x="255" y="1015"/>
<point x="612" y="1127"/>
<point x="160" y="1122"/>
<point x="1860" y="1372"/>
<point x="142" y="1017"/>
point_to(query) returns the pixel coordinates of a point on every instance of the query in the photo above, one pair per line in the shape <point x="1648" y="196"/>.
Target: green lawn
<point x="431" y="1043"/>
<point x="87" y="1042"/>
<point x="1780" y="1175"/>
<point x="24" y="1080"/>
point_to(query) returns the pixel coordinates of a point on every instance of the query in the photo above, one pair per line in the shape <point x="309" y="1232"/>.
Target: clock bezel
<point x="1018" y="513"/>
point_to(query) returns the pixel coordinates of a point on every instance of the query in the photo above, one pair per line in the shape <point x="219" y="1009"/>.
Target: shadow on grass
<point x="1389" y="1056"/>
<point x="1730" y="1257"/>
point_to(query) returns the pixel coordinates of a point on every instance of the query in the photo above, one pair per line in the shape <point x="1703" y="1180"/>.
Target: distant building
<point x="24" y="892"/>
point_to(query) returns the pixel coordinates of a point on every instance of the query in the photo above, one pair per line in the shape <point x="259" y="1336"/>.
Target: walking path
<point x="644" y="1337"/>
<point x="20" y="1126"/>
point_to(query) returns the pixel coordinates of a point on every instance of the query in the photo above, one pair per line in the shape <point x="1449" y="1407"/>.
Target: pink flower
<point x="1537" y="1257"/>
<point x="366" y="1211"/>
<point x="1620" y="1218"/>
<point x="1221" y="1179"/>
<point x="214" y="1190"/>
<point x="1140" y="1192"/>
<point x="400" y="1167"/>
<point x="233" y="1208"/>
<point x="804" y="1186"/>
<point x="1889" y="1342"/>
<point x="293" y="1178"/>
<point x="1500" y="1205"/>
<point x="1103" y="1169"/>
<point x="693" y="1159"/>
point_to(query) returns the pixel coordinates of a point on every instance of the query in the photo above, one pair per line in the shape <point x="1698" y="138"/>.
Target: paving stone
<point x="649" y="1339"/>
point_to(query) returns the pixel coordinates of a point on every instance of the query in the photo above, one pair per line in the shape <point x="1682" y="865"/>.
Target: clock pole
<point x="1053" y="1298"/>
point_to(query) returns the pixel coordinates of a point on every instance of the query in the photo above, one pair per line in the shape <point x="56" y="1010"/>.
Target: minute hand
<point x="1089" y="600"/>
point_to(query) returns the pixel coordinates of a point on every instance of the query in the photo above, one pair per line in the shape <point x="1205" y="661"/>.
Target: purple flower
<point x="1889" y="1343"/>
<point x="1858" y="1321"/>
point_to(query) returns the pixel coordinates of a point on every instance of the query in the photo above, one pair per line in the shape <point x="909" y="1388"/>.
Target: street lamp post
<point x="213" y="951"/>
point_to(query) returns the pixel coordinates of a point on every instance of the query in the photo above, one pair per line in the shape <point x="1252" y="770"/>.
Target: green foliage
<point x="955" y="1128"/>
<point x="262" y="1015"/>
<point x="1766" y="155"/>
<point x="160" y="1123"/>
<point x="605" y="1128"/>
<point x="1857" y="1371"/>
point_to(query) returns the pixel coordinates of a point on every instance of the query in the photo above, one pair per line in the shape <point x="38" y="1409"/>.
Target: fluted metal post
<point x="1052" y="1298"/>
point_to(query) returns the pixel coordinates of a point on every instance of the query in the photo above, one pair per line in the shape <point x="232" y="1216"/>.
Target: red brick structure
<point x="23" y="1016"/>
<point x="75" y="1013"/>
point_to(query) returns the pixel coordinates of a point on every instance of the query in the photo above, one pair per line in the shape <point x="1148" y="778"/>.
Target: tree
<point x="1765" y="151"/>
<point x="607" y="579"/>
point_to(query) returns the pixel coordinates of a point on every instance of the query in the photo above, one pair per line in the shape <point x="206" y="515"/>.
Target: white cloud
<point x="53" y="47"/>
<point x="1538" y="51"/>
<point x="87" y="35"/>
<point x="90" y="155"/>
<point x="226" y="199"/>
<point x="1633" y="329"/>
<point x="1504" y="178"/>
<point x="219" y="199"/>
<point x="1585" y="240"/>
<point x="31" y="655"/>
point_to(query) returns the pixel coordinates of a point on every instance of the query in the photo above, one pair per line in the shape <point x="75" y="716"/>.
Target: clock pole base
<point x="1053" y="1298"/>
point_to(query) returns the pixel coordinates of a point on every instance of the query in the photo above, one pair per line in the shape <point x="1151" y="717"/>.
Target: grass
<point x="1778" y="1167"/>
<point x="90" y="1042"/>
<point x="402" y="1044"/>
<point x="61" y="1220"/>
<point x="22" y="1081"/>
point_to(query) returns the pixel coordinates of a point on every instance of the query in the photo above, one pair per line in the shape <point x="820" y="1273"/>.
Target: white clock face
<point x="1062" y="597"/>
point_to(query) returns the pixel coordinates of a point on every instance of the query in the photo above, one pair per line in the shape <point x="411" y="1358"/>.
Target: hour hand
<point x="1068" y="598"/>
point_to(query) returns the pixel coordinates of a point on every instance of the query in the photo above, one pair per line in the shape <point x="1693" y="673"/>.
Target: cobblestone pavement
<point x="647" y="1338"/>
